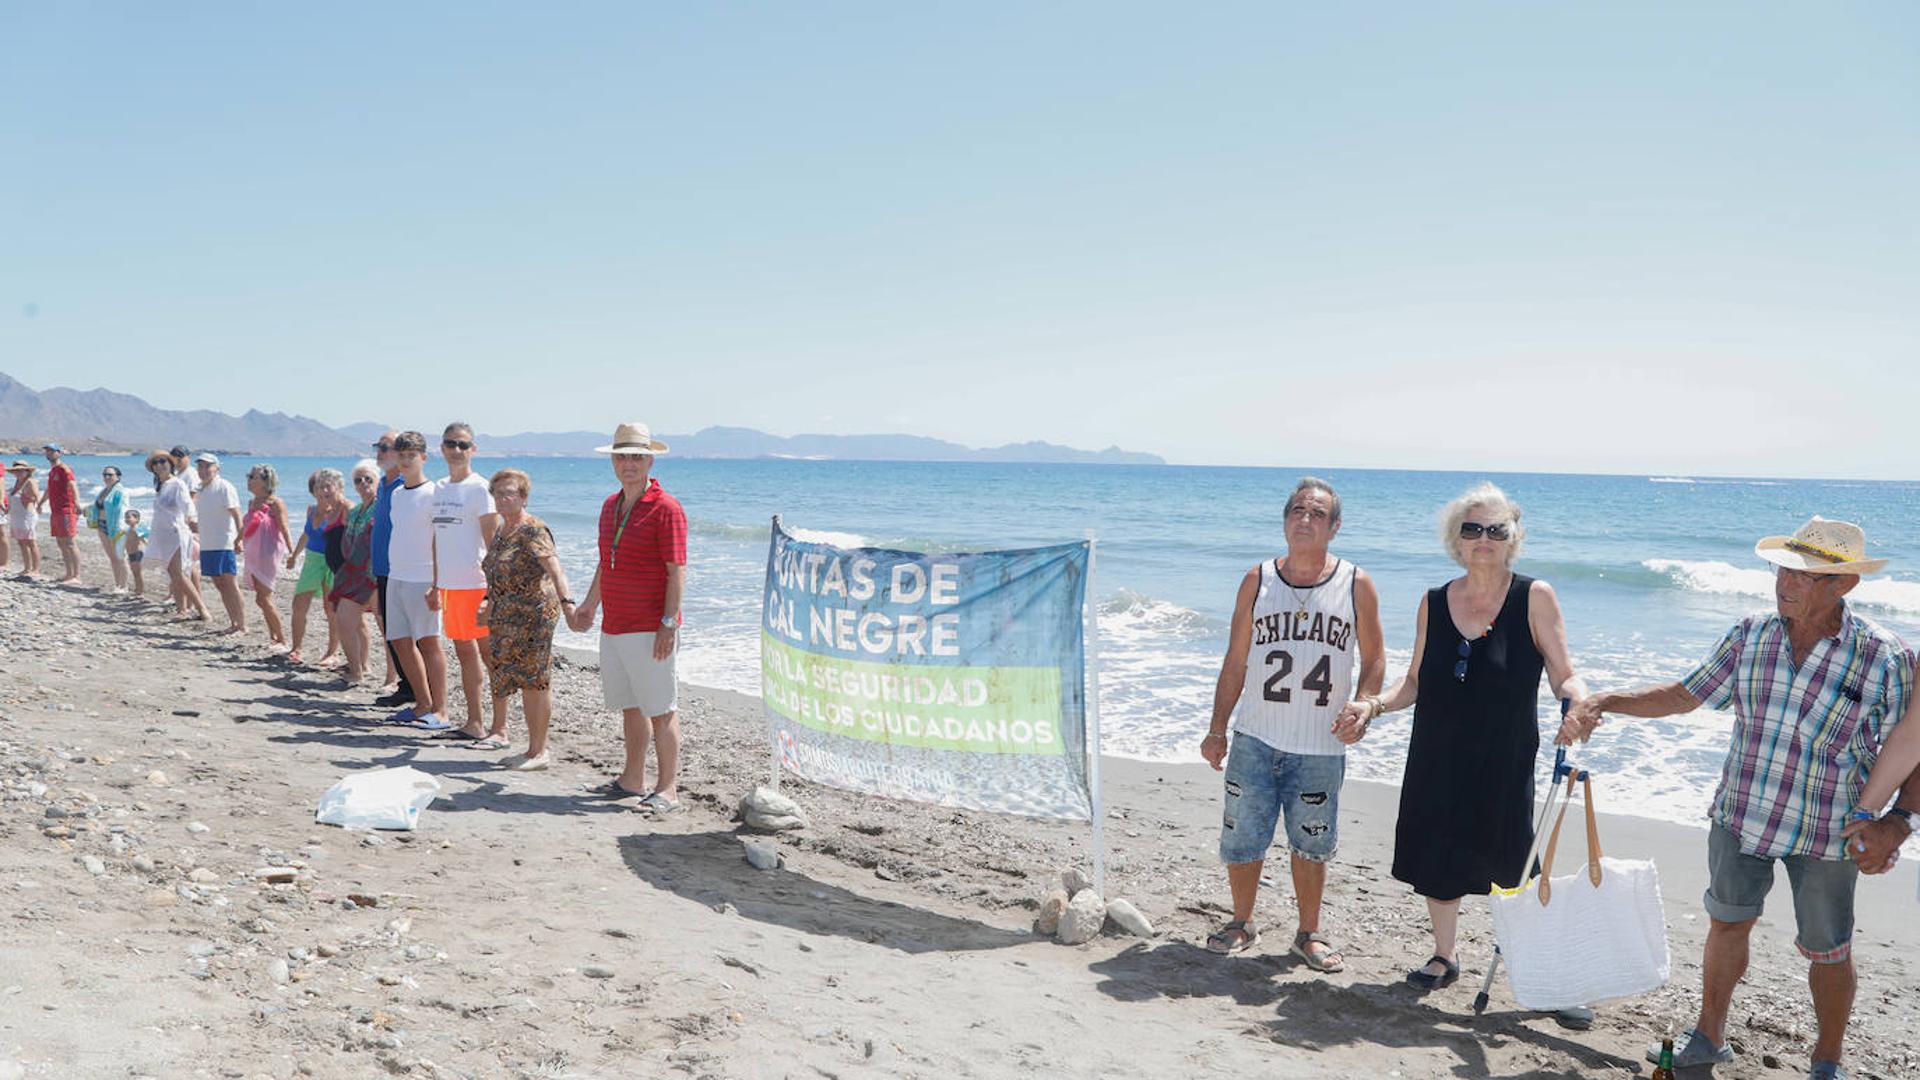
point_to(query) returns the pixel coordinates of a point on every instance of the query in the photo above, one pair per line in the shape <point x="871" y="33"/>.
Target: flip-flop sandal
<point x="1694" y="1050"/>
<point x="657" y="803"/>
<point x="487" y="742"/>
<point x="1237" y="936"/>
<point x="438" y="723"/>
<point x="459" y="733"/>
<point x="1326" y="960"/>
<point x="612" y="790"/>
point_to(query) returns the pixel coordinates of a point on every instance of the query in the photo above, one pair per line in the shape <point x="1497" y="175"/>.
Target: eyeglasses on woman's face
<point x="362" y="481"/>
<point x="456" y="444"/>
<point x="1472" y="530"/>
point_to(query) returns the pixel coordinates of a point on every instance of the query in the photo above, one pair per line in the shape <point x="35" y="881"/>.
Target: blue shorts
<point x="1738" y="883"/>
<point x="219" y="563"/>
<point x="1262" y="782"/>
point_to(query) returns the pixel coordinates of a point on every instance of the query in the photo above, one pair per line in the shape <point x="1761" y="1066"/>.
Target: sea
<point x="1651" y="571"/>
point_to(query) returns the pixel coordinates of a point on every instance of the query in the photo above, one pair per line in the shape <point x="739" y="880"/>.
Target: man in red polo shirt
<point x="64" y="498"/>
<point x="643" y="559"/>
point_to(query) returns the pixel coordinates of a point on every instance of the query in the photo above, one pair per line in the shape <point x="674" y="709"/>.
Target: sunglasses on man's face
<point x="456" y="444"/>
<point x="1471" y="530"/>
<point x="383" y="447"/>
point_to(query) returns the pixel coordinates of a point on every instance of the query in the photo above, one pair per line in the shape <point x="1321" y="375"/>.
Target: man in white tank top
<point x="1300" y="623"/>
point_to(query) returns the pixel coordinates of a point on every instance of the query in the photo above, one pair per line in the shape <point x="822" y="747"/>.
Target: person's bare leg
<point x="353" y="639"/>
<point x="69" y="559"/>
<point x="1446" y="931"/>
<point x="1243" y="882"/>
<point x="111" y="551"/>
<point x="228" y="586"/>
<point x="137" y="571"/>
<point x="538" y="705"/>
<point x="6" y="548"/>
<point x="501" y="703"/>
<point x="329" y="612"/>
<point x="637" y="731"/>
<point x="1723" y="964"/>
<point x="263" y="598"/>
<point x="471" y="678"/>
<point x="413" y="663"/>
<point x="434" y="660"/>
<point x="666" y="754"/>
<point x="300" y="605"/>
<point x="1833" y="987"/>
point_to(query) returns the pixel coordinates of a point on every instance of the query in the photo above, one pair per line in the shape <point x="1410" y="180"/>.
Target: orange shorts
<point x="458" y="610"/>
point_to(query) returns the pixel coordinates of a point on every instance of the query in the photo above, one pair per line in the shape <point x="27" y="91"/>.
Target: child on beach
<point x="136" y="544"/>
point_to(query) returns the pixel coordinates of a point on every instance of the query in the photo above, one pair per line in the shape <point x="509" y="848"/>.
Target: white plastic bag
<point x="378" y="799"/>
<point x="1599" y="933"/>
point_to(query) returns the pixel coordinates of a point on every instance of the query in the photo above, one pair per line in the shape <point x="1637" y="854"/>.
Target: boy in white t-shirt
<point x="464" y="522"/>
<point x="218" y="506"/>
<point x="413" y="603"/>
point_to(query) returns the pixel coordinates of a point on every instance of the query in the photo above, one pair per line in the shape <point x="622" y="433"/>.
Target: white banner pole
<point x="773" y="744"/>
<point x="1092" y="632"/>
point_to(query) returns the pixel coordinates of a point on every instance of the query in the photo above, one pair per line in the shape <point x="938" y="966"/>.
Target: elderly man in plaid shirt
<point x="1815" y="690"/>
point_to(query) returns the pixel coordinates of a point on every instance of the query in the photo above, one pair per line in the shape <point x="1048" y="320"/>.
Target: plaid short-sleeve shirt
<point x="1804" y="738"/>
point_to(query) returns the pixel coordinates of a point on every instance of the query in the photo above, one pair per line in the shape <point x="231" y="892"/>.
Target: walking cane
<point x="1556" y="791"/>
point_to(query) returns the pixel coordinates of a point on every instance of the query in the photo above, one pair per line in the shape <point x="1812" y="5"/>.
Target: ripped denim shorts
<point x="1261" y="782"/>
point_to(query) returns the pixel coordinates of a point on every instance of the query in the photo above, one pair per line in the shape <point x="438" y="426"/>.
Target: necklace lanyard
<point x="620" y="529"/>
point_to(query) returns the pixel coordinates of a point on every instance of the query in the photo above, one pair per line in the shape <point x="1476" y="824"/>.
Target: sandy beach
<point x="153" y="776"/>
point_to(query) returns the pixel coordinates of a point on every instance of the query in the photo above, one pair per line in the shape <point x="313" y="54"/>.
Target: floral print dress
<point x="522" y="609"/>
<point x="355" y="580"/>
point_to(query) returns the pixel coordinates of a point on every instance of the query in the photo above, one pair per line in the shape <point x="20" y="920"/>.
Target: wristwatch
<point x="670" y="622"/>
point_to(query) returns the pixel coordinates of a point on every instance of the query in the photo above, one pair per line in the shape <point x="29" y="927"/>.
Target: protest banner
<point x="955" y="679"/>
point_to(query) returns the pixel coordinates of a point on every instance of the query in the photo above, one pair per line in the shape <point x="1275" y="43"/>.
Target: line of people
<point x="1826" y="733"/>
<point x="458" y="558"/>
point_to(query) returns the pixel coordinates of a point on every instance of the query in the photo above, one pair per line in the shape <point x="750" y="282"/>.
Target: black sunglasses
<point x="1460" y="665"/>
<point x="457" y="444"/>
<point x="383" y="447"/>
<point x="363" y="479"/>
<point x="1471" y="530"/>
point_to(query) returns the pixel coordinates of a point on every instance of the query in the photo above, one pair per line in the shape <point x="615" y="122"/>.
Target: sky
<point x="1621" y="237"/>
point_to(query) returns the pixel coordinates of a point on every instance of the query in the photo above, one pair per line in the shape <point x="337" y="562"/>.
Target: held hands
<point x="580" y="620"/>
<point x="292" y="557"/>
<point x="1354" y="719"/>
<point x="1580" y="722"/>
<point x="1874" y="846"/>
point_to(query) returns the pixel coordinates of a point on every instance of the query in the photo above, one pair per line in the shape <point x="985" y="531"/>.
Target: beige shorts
<point x="632" y="679"/>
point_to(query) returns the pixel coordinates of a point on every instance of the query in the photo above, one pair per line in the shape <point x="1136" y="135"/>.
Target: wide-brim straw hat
<point x="1821" y="547"/>
<point x="632" y="438"/>
<point x="22" y="466"/>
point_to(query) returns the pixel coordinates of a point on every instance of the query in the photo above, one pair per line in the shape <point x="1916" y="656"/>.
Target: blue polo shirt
<point x="383" y="523"/>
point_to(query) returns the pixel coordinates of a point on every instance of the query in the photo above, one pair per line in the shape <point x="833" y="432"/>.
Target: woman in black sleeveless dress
<point x="1467" y="799"/>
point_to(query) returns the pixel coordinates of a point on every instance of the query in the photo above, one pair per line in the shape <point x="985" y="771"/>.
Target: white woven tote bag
<point x="1587" y="937"/>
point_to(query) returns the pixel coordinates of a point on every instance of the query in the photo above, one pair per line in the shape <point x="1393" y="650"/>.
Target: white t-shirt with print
<point x="216" y="498"/>
<point x="457" y="510"/>
<point x="410" y="551"/>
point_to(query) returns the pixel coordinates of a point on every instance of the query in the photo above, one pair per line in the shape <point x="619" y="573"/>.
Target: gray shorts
<point x="630" y="678"/>
<point x="407" y="613"/>
<point x="1738" y="883"/>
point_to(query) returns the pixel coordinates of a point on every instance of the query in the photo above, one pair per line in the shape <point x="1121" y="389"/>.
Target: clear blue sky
<point x="1594" y="237"/>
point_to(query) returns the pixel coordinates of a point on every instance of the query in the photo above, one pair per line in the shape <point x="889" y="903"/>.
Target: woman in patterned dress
<point x="526" y="591"/>
<point x="353" y="583"/>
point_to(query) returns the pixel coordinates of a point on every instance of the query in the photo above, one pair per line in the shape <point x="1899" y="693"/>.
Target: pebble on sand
<point x="769" y="811"/>
<point x="1123" y="914"/>
<point x="1052" y="907"/>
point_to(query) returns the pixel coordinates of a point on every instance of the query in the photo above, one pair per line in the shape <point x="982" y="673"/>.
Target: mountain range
<point x="103" y="421"/>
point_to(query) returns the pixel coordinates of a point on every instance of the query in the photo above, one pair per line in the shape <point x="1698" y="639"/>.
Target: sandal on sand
<point x="1420" y="979"/>
<point x="460" y="733"/>
<point x="1696" y="1049"/>
<point x="1237" y="936"/>
<point x="657" y="803"/>
<point x="488" y="742"/>
<point x="1829" y="1070"/>
<point x="1328" y="959"/>
<point x="612" y="790"/>
<point x="523" y="763"/>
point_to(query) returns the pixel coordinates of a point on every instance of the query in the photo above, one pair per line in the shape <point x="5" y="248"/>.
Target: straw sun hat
<point x="22" y="466"/>
<point x="1821" y="547"/>
<point x="632" y="438"/>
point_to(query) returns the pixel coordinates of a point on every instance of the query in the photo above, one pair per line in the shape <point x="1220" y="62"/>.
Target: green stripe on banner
<point x="986" y="710"/>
